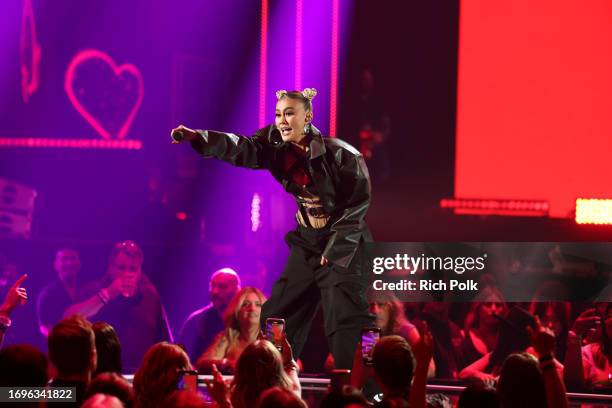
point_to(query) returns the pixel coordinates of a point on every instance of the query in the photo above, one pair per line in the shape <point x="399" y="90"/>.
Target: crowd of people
<point x="508" y="354"/>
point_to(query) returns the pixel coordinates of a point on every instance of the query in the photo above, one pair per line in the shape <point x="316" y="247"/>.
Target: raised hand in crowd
<point x="15" y="296"/>
<point x="360" y="371"/>
<point x="543" y="342"/>
<point x="423" y="353"/>
<point x="587" y="323"/>
<point x="219" y="389"/>
<point x="542" y="339"/>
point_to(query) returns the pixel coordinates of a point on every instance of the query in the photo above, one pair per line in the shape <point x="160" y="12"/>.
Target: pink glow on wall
<point x="299" y="21"/>
<point x="29" y="52"/>
<point x="334" y="67"/>
<point x="263" y="63"/>
<point x="121" y="77"/>
<point x="32" y="142"/>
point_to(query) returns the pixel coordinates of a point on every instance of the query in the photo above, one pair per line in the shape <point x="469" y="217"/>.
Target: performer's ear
<point x="308" y="117"/>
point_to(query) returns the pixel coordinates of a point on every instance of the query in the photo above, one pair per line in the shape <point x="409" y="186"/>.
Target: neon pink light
<point x="263" y="63"/>
<point x="118" y="71"/>
<point x="299" y="20"/>
<point x="334" y="68"/>
<point x="29" y="52"/>
<point x="255" y="212"/>
<point x="31" y="142"/>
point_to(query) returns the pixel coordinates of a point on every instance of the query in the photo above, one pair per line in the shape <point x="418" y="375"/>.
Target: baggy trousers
<point x="305" y="284"/>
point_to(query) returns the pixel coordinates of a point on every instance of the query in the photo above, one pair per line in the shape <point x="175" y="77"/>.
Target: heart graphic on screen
<point x="107" y="95"/>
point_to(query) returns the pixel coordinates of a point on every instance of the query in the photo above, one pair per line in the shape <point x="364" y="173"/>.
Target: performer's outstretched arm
<point x="235" y="149"/>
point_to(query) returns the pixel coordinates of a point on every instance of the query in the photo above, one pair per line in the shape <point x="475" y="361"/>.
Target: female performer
<point x="331" y="185"/>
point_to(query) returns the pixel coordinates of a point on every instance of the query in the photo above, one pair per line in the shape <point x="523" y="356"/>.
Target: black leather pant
<point x="305" y="284"/>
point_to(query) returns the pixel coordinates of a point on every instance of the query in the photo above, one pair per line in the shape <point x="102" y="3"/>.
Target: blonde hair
<point x="229" y="337"/>
<point x="306" y="96"/>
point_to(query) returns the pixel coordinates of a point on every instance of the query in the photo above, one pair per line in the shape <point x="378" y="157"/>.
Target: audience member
<point x="260" y="367"/>
<point x="591" y="365"/>
<point x="523" y="383"/>
<point x="108" y="348"/>
<point x="347" y="397"/>
<point x="481" y="324"/>
<point x="72" y="350"/>
<point x="56" y="297"/>
<point x="279" y="397"/>
<point x="400" y="373"/>
<point x="447" y="337"/>
<point x="15" y="296"/>
<point x="241" y="329"/>
<point x="127" y="300"/>
<point x="102" y="401"/>
<point x="158" y="375"/>
<point x="478" y="395"/>
<point x="184" y="399"/>
<point x="513" y="338"/>
<point x="555" y="316"/>
<point x="112" y="384"/>
<point x="203" y="325"/>
<point x="23" y="365"/>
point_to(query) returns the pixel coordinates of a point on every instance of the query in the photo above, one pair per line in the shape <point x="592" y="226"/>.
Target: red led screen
<point x="534" y="109"/>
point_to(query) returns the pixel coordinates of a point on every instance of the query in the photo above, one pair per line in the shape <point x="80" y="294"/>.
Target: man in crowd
<point x="201" y="327"/>
<point x="55" y="298"/>
<point x="72" y="350"/>
<point x="126" y="299"/>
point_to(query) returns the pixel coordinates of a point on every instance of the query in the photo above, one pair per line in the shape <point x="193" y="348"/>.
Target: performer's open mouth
<point x="285" y="131"/>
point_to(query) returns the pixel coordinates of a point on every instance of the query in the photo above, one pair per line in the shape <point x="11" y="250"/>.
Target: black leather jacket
<point x="338" y="172"/>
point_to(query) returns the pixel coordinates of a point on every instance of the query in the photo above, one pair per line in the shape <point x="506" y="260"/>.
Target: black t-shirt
<point x="199" y="331"/>
<point x="52" y="301"/>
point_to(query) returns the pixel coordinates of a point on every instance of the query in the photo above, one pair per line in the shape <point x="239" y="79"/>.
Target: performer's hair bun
<point x="309" y="93"/>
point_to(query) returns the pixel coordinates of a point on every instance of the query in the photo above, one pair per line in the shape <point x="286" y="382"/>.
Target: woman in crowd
<point x="529" y="382"/>
<point x="241" y="329"/>
<point x="158" y="374"/>
<point x="481" y="324"/>
<point x="260" y="367"/>
<point x="108" y="349"/>
<point x="591" y="365"/>
<point x="555" y="316"/>
<point x="390" y="317"/>
<point x="513" y="338"/>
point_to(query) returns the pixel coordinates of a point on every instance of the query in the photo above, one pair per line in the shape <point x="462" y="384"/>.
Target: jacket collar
<point x="317" y="146"/>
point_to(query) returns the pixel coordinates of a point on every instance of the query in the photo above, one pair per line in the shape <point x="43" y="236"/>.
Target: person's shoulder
<point x="338" y="145"/>
<point x="53" y="287"/>
<point x="200" y="314"/>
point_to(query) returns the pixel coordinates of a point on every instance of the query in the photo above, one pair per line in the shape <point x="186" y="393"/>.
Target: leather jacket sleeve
<point x="235" y="149"/>
<point x="347" y="230"/>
